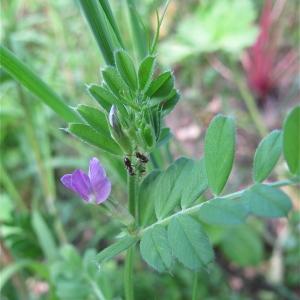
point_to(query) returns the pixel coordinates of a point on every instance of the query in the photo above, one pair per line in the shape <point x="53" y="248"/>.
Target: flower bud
<point x="117" y="132"/>
<point x="148" y="136"/>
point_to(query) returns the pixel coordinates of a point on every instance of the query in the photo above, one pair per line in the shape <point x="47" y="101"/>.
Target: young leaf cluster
<point x="132" y="104"/>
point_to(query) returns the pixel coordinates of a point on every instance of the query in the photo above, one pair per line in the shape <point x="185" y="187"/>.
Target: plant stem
<point x="128" y="270"/>
<point x="128" y="274"/>
<point x="195" y="286"/>
<point x="252" y="108"/>
<point x="132" y="195"/>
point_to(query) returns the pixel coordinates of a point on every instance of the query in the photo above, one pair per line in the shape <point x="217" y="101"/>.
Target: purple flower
<point x="93" y="187"/>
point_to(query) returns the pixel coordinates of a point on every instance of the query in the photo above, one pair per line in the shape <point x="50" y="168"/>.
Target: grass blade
<point x="111" y="19"/>
<point x="139" y="34"/>
<point x="22" y="73"/>
<point x="104" y="33"/>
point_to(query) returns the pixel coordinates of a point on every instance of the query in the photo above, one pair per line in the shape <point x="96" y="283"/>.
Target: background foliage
<point x="37" y="216"/>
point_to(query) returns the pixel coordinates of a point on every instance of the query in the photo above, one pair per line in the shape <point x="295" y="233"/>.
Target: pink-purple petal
<point x="96" y="171"/>
<point x="67" y="181"/>
<point x="81" y="184"/>
<point x="102" y="190"/>
<point x="94" y="187"/>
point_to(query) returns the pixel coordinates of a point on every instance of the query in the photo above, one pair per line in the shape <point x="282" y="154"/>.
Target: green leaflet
<point x="103" y="96"/>
<point x="161" y="86"/>
<point x="164" y="136"/>
<point x="155" y="248"/>
<point x="220" y="211"/>
<point x="291" y="140"/>
<point x="145" y="198"/>
<point x="196" y="182"/>
<point x="111" y="251"/>
<point x="243" y="246"/>
<point x="126" y="69"/>
<point x="169" y="103"/>
<point x="146" y="71"/>
<point x="219" y="148"/>
<point x="189" y="242"/>
<point x="181" y="184"/>
<point x="267" y="155"/>
<point x="94" y="118"/>
<point x="267" y="201"/>
<point x="95" y="138"/>
<point x="114" y="81"/>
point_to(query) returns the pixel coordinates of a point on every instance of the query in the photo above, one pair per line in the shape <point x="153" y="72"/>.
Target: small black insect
<point x="129" y="166"/>
<point x="141" y="157"/>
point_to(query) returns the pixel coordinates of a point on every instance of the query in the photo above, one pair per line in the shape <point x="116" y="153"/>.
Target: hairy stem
<point x="132" y="195"/>
<point x="128" y="270"/>
<point x="128" y="274"/>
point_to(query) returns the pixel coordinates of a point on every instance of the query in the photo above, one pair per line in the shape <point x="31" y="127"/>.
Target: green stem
<point x="128" y="270"/>
<point x="195" y="286"/>
<point x="128" y="274"/>
<point x="252" y="108"/>
<point x="132" y="195"/>
<point x="195" y="208"/>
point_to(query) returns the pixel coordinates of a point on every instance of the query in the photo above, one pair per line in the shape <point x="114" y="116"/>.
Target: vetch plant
<point x="170" y="209"/>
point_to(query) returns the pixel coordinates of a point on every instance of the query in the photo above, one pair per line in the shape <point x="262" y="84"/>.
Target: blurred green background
<point x="229" y="57"/>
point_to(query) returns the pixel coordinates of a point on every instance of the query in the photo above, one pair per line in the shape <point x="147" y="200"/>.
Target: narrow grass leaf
<point x="45" y="237"/>
<point x="96" y="16"/>
<point x="139" y="33"/>
<point x="219" y="148"/>
<point x="23" y="74"/>
<point x="111" y="19"/>
<point x="267" y="155"/>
